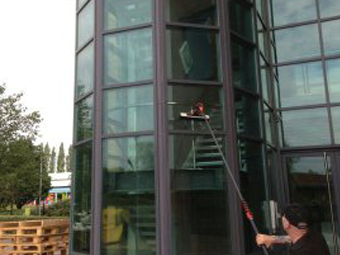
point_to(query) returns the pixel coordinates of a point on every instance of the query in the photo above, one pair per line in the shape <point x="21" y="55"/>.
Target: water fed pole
<point x="198" y="113"/>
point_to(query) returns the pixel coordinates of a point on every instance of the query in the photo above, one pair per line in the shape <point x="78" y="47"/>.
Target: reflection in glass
<point x="121" y="13"/>
<point x="308" y="185"/>
<point x="253" y="187"/>
<point x="84" y="119"/>
<point x="243" y="67"/>
<point x="192" y="11"/>
<point x="199" y="219"/>
<point x="298" y="42"/>
<point x="241" y="19"/>
<point x="301" y="84"/>
<point x="128" y="110"/>
<point x="81" y="3"/>
<point x="193" y="54"/>
<point x="331" y="39"/>
<point x="336" y="123"/>
<point x="85" y="24"/>
<point x="329" y="8"/>
<point x="333" y="79"/>
<point x="128" y="207"/>
<point x="128" y="57"/>
<point x="85" y="71"/>
<point x="182" y="98"/>
<point x="289" y="11"/>
<point x="247" y="115"/>
<point x="82" y="199"/>
<point x="268" y="119"/>
<point x="306" y="127"/>
<point x="265" y="82"/>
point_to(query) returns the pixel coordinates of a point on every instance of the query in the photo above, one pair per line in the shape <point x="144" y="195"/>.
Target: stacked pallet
<point x="34" y="237"/>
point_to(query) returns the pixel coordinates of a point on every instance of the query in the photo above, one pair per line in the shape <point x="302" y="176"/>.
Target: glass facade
<point x="148" y="181"/>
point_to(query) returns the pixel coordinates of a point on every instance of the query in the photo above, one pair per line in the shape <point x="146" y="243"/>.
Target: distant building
<point x="60" y="186"/>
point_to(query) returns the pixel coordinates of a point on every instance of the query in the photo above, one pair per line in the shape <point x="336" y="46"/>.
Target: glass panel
<point x="265" y="83"/>
<point x="243" y="67"/>
<point x="82" y="199"/>
<point x="336" y="123"/>
<point x="302" y="84"/>
<point x="192" y="11"/>
<point x="241" y="19"/>
<point x="182" y="98"/>
<point x="193" y="54"/>
<point x="331" y="39"/>
<point x="329" y="8"/>
<point x="253" y="187"/>
<point x="333" y="79"/>
<point x="121" y="13"/>
<point x="309" y="185"/>
<point x="247" y="115"/>
<point x="128" y="57"/>
<point x="128" y="110"/>
<point x="306" y="127"/>
<point x="85" y="24"/>
<point x="297" y="42"/>
<point x="289" y="11"/>
<point x="85" y="71"/>
<point x="268" y="117"/>
<point x="128" y="211"/>
<point x="278" y="103"/>
<point x="81" y="3"/>
<point x="84" y="119"/>
<point x="199" y="210"/>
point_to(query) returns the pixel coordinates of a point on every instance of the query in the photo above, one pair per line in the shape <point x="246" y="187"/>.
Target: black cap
<point x="297" y="215"/>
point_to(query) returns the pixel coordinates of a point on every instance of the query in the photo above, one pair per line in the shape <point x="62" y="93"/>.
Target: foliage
<point x="46" y="157"/>
<point x="52" y="161"/>
<point x="61" y="159"/>
<point x="69" y="159"/>
<point x="61" y="208"/>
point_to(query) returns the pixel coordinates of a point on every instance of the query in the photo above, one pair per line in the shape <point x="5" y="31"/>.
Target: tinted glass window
<point x="84" y="119"/>
<point x="192" y="11"/>
<point x="336" y="123"/>
<point x="306" y="127"/>
<point x="193" y="54"/>
<point x="128" y="206"/>
<point x="333" y="78"/>
<point x="329" y="7"/>
<point x="128" y="110"/>
<point x="331" y="39"/>
<point x="85" y="24"/>
<point x="85" y="71"/>
<point x="82" y="199"/>
<point x="121" y="13"/>
<point x="128" y="57"/>
<point x="301" y="84"/>
<point x="241" y="19"/>
<point x="297" y="42"/>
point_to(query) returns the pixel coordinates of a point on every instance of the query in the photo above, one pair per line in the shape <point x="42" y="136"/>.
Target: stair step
<point x="208" y="155"/>
<point x="210" y="163"/>
<point x="208" y="147"/>
<point x="146" y="224"/>
<point x="149" y="233"/>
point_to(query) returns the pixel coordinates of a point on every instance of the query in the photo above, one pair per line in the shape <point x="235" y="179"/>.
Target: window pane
<point x="336" y="123"/>
<point x="243" y="67"/>
<point x="85" y="24"/>
<point x="121" y="13"/>
<point x="193" y="54"/>
<point x="333" y="78"/>
<point x="82" y="199"/>
<point x="81" y="3"/>
<point x="182" y="99"/>
<point x="128" y="57"/>
<point x="128" y="110"/>
<point x="128" y="211"/>
<point x="247" y="115"/>
<point x="198" y="196"/>
<point x="253" y="187"/>
<point x="331" y="39"/>
<point x="329" y="8"/>
<point x="297" y="42"/>
<point x="268" y="120"/>
<point x="84" y="119"/>
<point x="306" y="127"/>
<point x="265" y="83"/>
<point x="301" y="84"/>
<point x="85" y="71"/>
<point x="289" y="11"/>
<point x="192" y="11"/>
<point x="241" y="19"/>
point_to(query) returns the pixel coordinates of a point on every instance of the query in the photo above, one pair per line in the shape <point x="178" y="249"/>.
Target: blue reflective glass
<point x="336" y="123"/>
<point x="329" y="8"/>
<point x="331" y="39"/>
<point x="333" y="79"/>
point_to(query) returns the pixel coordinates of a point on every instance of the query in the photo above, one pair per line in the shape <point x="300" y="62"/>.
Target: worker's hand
<point x="266" y="240"/>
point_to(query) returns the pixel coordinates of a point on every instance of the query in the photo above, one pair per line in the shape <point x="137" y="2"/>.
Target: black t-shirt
<point x="312" y="243"/>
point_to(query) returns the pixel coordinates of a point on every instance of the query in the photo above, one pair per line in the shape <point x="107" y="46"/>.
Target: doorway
<point x="313" y="180"/>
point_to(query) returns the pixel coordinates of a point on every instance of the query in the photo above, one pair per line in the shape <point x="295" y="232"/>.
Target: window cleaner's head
<point x="197" y="112"/>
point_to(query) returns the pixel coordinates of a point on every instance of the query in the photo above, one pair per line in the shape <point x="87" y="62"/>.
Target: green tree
<point x="52" y="160"/>
<point x="61" y="159"/>
<point x="46" y="157"/>
<point x="69" y="159"/>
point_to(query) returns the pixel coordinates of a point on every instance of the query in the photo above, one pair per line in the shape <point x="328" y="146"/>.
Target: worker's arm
<point x="269" y="240"/>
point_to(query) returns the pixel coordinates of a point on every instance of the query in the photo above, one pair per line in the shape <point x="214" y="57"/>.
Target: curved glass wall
<point x="85" y="71"/>
<point x="85" y="28"/>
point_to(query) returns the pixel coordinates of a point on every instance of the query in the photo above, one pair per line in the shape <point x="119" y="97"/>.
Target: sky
<point x="37" y="52"/>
